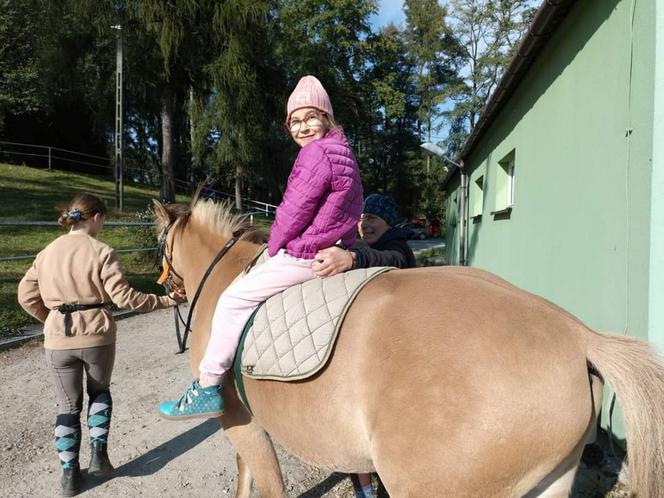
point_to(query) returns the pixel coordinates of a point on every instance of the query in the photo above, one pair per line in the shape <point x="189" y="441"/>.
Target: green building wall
<point x="580" y="127"/>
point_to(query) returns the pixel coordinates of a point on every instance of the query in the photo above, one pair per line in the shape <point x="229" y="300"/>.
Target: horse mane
<point x="217" y="217"/>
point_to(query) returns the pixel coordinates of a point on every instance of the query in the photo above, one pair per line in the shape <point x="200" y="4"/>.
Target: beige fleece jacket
<point x="78" y="269"/>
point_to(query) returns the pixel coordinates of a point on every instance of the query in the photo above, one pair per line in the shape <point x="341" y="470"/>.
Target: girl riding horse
<point x="321" y="206"/>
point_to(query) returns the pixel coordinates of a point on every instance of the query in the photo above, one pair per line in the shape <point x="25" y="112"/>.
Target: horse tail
<point x="634" y="371"/>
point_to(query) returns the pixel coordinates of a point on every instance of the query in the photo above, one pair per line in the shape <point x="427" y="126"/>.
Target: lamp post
<point x="119" y="185"/>
<point x="463" y="188"/>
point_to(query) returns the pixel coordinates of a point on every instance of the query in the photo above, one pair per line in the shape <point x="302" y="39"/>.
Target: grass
<point x="436" y="256"/>
<point x="139" y="268"/>
<point x="32" y="195"/>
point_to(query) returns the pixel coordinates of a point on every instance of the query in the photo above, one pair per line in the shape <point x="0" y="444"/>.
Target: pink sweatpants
<point x="237" y="303"/>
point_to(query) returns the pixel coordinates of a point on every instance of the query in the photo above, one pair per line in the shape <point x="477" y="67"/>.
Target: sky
<point x="388" y="11"/>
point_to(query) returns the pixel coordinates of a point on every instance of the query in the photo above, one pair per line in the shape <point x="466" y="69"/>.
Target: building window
<point x="505" y="183"/>
<point x="477" y="196"/>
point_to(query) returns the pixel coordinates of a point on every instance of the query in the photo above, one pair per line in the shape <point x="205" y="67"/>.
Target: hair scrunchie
<point x="74" y="214"/>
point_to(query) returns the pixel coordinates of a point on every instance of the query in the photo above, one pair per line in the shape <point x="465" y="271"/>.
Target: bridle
<point x="168" y="276"/>
<point x="168" y="273"/>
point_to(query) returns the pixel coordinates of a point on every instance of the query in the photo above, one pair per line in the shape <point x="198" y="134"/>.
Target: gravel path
<point x="153" y="457"/>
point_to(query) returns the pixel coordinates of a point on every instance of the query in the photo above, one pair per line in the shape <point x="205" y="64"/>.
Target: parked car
<point x="434" y="228"/>
<point x="418" y="230"/>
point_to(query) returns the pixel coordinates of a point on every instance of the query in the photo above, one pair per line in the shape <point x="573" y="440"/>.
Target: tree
<point x="50" y="65"/>
<point x="435" y="55"/>
<point x="326" y="38"/>
<point x="182" y="31"/>
<point x="20" y="87"/>
<point x="242" y="77"/>
<point x="386" y="148"/>
<point x="488" y="32"/>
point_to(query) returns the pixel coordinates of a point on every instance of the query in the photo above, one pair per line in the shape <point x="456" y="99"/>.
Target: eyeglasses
<point x="312" y="120"/>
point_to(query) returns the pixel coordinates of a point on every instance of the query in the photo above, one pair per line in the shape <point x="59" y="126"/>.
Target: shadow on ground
<point x="155" y="459"/>
<point x="597" y="476"/>
<point x="321" y="488"/>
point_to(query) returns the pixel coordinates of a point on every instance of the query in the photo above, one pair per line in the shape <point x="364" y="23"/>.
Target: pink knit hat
<point x="309" y="92"/>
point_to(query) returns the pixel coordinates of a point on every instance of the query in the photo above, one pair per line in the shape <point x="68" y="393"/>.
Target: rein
<point x="166" y="278"/>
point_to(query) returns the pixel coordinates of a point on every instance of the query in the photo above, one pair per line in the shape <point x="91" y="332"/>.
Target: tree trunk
<point x="195" y="159"/>
<point x="167" y="191"/>
<point x="238" y="187"/>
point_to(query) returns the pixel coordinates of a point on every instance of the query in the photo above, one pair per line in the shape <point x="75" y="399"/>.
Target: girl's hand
<point x="178" y="298"/>
<point x="331" y="261"/>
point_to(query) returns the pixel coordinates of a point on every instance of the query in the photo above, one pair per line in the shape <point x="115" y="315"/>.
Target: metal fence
<point x="53" y="156"/>
<point x="250" y="215"/>
<point x="250" y="206"/>
<point x="56" y="158"/>
<point x="16" y="223"/>
<point x="32" y="256"/>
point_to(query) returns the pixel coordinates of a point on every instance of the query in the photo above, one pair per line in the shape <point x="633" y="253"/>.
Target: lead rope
<point x="187" y="328"/>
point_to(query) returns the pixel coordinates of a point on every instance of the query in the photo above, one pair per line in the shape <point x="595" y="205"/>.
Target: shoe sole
<point x="100" y="472"/>
<point x="198" y="415"/>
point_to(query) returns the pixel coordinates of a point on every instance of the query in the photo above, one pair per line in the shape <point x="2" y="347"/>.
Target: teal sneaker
<point x="197" y="402"/>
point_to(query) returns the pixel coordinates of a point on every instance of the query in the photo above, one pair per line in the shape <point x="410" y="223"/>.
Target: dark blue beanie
<point x="382" y="206"/>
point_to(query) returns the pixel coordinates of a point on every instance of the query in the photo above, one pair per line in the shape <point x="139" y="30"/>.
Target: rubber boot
<point x="71" y="481"/>
<point x="100" y="465"/>
<point x="99" y="422"/>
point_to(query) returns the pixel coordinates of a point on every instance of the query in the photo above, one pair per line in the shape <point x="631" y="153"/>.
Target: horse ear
<point x="161" y="213"/>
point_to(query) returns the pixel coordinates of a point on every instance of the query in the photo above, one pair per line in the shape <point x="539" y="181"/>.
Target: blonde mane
<point x="219" y="218"/>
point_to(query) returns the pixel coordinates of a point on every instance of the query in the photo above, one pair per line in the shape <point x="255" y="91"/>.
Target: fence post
<point x="49" y="158"/>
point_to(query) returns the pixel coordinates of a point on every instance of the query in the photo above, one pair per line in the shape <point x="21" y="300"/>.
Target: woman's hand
<point x="178" y="298"/>
<point x="331" y="261"/>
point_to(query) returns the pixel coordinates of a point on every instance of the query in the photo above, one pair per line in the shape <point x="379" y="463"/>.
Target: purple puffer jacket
<point x="322" y="202"/>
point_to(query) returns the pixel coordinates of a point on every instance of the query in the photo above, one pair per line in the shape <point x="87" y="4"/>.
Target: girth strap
<point x="237" y="362"/>
<point x="68" y="309"/>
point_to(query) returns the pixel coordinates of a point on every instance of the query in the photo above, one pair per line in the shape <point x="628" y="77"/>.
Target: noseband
<point x="168" y="273"/>
<point x="167" y="279"/>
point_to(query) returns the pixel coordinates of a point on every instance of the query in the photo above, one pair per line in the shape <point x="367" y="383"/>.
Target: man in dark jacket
<point x="386" y="244"/>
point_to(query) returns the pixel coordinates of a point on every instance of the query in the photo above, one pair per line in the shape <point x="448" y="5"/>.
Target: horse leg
<point x="256" y="457"/>
<point x="244" y="478"/>
<point x="559" y="483"/>
<point x="257" y="461"/>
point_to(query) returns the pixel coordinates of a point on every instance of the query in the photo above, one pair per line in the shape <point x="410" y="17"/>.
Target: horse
<point x="444" y="380"/>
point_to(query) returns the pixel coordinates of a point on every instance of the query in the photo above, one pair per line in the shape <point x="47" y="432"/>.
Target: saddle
<point x="291" y="335"/>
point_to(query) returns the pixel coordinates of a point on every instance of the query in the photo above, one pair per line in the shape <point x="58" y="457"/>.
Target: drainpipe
<point x="463" y="193"/>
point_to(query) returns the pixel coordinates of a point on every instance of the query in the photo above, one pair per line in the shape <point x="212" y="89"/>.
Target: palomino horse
<point x="446" y="381"/>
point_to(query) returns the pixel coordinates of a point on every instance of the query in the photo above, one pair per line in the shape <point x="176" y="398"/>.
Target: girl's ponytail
<point x="82" y="207"/>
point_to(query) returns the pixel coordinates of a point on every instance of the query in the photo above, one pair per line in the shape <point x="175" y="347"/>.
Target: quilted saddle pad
<point x="292" y="333"/>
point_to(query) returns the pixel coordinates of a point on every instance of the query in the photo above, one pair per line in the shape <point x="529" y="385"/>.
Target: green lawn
<point x="33" y="194"/>
<point x="435" y="256"/>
